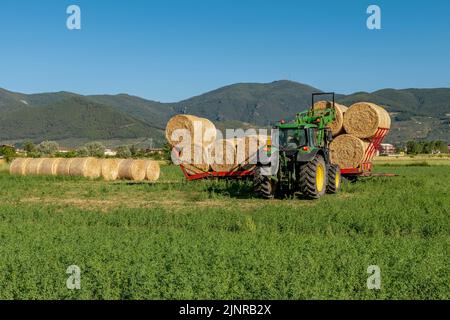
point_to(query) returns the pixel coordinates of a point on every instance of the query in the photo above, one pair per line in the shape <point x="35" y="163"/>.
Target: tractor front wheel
<point x="334" y="179"/>
<point x="262" y="185"/>
<point x="313" y="178"/>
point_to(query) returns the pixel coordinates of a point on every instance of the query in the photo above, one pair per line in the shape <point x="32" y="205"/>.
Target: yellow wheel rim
<point x="338" y="180"/>
<point x="320" y="178"/>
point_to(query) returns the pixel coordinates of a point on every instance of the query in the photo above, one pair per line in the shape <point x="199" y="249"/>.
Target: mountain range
<point x="73" y="119"/>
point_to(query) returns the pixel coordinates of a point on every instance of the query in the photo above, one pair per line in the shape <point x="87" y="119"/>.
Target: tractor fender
<point x="270" y="169"/>
<point x="270" y="165"/>
<point x="307" y="157"/>
<point x="267" y="171"/>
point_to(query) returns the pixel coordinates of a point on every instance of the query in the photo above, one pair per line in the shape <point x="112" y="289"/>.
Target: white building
<point x="110" y="153"/>
<point x="387" y="149"/>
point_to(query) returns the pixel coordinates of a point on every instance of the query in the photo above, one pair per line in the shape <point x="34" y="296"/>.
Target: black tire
<point x="334" y="179"/>
<point x="309" y="180"/>
<point x="262" y="185"/>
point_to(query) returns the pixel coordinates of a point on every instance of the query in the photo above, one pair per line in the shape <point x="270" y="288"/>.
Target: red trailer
<point x="236" y="174"/>
<point x="364" y="170"/>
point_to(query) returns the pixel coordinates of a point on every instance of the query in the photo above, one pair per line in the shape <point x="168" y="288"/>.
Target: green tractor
<point x="302" y="161"/>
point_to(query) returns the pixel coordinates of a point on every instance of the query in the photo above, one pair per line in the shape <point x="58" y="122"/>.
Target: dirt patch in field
<point x="107" y="205"/>
<point x="85" y="204"/>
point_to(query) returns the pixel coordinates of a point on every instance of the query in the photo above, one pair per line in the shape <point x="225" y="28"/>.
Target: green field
<point x="418" y="160"/>
<point x="204" y="240"/>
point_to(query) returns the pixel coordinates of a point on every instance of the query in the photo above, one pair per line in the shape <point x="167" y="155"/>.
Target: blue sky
<point x="169" y="50"/>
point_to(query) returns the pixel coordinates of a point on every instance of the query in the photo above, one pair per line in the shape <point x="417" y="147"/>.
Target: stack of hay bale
<point x="195" y="153"/>
<point x="136" y="170"/>
<point x="91" y="168"/>
<point x="353" y="130"/>
<point x="247" y="149"/>
<point x="224" y="155"/>
<point x="203" y="152"/>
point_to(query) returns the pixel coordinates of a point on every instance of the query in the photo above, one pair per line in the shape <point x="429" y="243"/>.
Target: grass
<point x="208" y="239"/>
<point x="418" y="160"/>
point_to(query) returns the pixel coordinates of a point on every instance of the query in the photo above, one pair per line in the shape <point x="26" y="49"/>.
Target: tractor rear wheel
<point x="313" y="178"/>
<point x="334" y="179"/>
<point x="262" y="185"/>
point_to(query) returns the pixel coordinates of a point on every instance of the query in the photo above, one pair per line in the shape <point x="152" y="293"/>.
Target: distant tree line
<point x="426" y="147"/>
<point x="91" y="149"/>
<point x="135" y="152"/>
<point x="7" y="152"/>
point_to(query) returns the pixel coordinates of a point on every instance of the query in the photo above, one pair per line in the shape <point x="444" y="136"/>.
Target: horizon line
<point x="25" y="92"/>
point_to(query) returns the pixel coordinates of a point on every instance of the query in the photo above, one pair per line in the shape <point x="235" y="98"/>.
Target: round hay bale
<point x="223" y="155"/>
<point x="188" y="122"/>
<point x="132" y="169"/>
<point x="348" y="151"/>
<point x="363" y="119"/>
<point x="153" y="171"/>
<point x="197" y="161"/>
<point x="248" y="147"/>
<point x="110" y="169"/>
<point x="85" y="167"/>
<point x="18" y="166"/>
<point x="48" y="167"/>
<point x="33" y="166"/>
<point x="337" y="127"/>
<point x="63" y="166"/>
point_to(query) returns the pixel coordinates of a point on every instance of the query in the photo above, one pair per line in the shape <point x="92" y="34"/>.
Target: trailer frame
<point x="364" y="170"/>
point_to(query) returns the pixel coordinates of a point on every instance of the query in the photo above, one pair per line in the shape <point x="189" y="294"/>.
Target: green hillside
<point x="65" y="116"/>
<point x="408" y="102"/>
<point x="75" y="117"/>
<point x="261" y="104"/>
<point x="416" y="113"/>
<point x="152" y="112"/>
<point x="9" y="100"/>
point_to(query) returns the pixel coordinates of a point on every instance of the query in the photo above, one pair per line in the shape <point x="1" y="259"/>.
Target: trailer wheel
<point x="334" y="179"/>
<point x="262" y="185"/>
<point x="313" y="178"/>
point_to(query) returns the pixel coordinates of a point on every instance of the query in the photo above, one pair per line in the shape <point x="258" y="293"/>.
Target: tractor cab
<point x="302" y="138"/>
<point x="292" y="138"/>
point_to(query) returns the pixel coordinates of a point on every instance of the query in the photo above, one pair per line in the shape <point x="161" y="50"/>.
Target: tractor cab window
<point x="292" y="138"/>
<point x="313" y="136"/>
